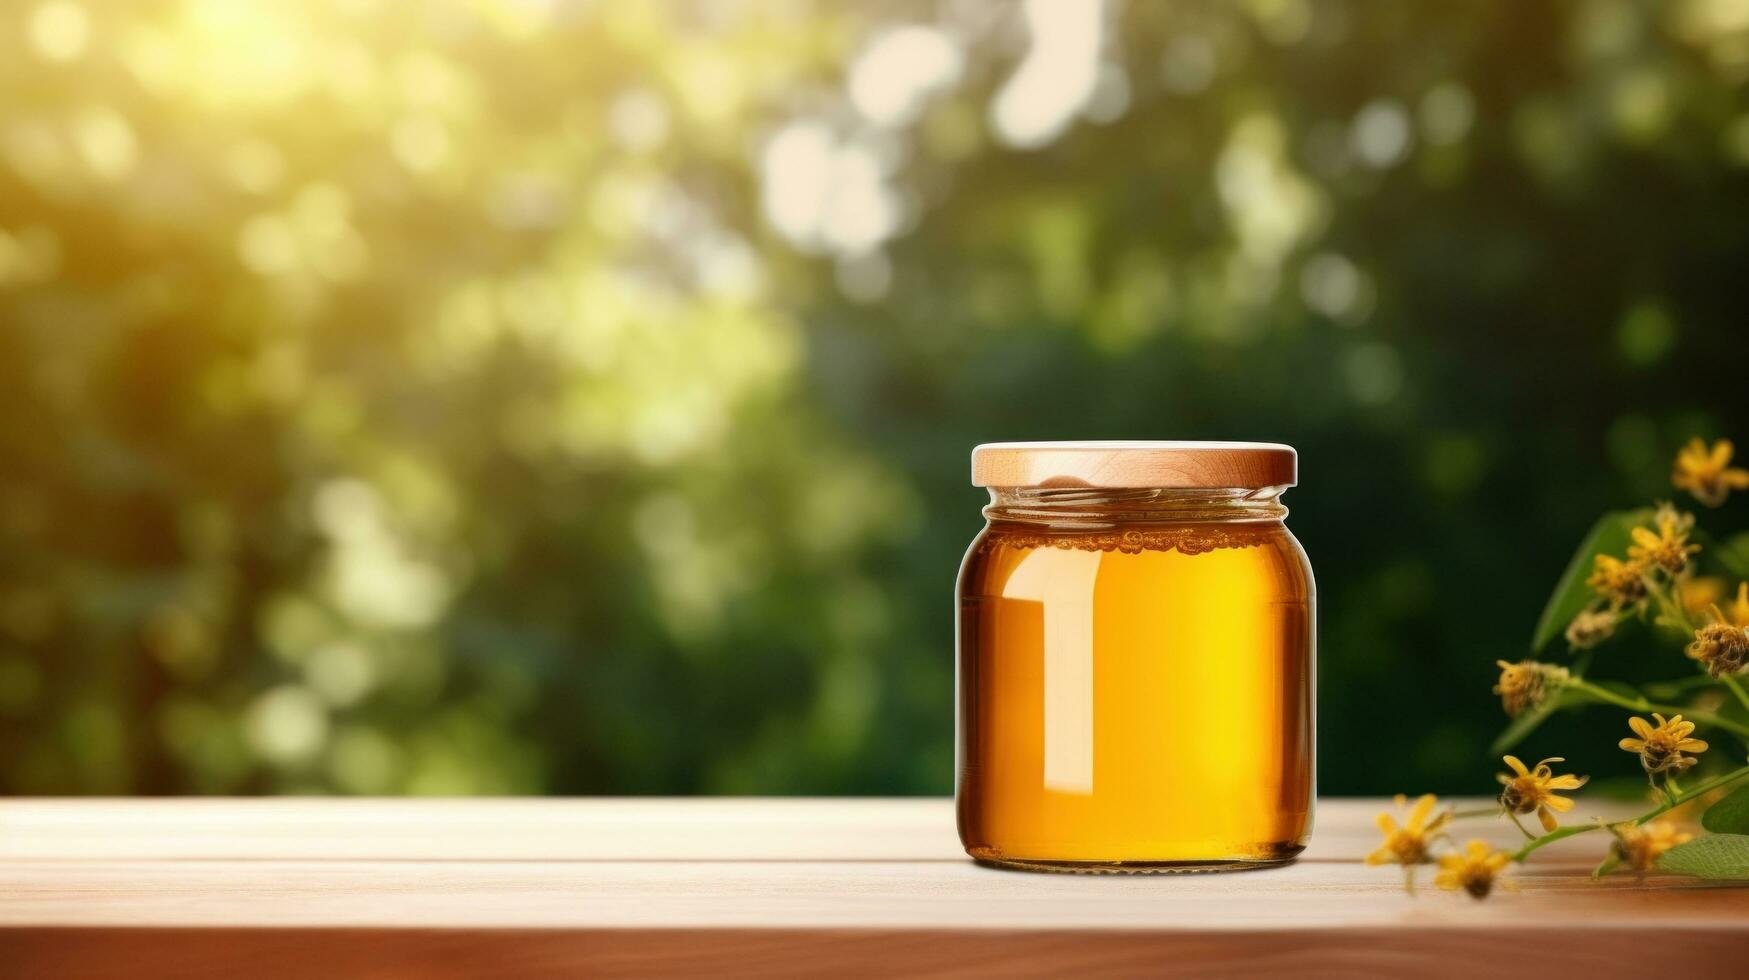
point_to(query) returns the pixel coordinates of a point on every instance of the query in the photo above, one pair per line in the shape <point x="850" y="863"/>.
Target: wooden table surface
<point x="796" y="887"/>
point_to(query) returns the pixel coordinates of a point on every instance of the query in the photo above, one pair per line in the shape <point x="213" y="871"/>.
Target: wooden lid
<point x="1169" y="465"/>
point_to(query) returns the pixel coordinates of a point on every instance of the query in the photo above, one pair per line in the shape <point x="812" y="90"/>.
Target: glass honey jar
<point x="1136" y="643"/>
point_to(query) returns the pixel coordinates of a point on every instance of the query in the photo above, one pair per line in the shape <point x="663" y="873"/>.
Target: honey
<point x="1136" y="676"/>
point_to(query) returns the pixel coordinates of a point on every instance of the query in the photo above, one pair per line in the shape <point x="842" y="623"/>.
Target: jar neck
<point x="1098" y="507"/>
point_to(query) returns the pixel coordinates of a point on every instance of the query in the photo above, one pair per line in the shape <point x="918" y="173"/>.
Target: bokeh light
<point x="574" y="397"/>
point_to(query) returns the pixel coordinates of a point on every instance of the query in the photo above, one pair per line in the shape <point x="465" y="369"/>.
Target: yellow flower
<point x="1707" y="473"/>
<point x="1527" y="684"/>
<point x="1623" y="583"/>
<point x="1474" y="870"/>
<point x="1640" y="847"/>
<point x="1533" y="790"/>
<point x="1697" y="593"/>
<point x="1661" y="748"/>
<point x="1721" y="646"/>
<point x="1738" y="614"/>
<point x="1668" y="546"/>
<point x="1407" y="845"/>
<point x="1590" y="627"/>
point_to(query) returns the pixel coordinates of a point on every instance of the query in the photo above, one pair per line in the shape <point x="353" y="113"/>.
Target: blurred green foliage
<point x="575" y="398"/>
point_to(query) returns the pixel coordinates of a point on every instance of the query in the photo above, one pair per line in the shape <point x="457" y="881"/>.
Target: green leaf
<point x="1526" y="723"/>
<point x="1729" y="815"/>
<point x="1739" y="546"/>
<point x="1610" y="535"/>
<point x="1721" y="857"/>
<point x="1727" y="555"/>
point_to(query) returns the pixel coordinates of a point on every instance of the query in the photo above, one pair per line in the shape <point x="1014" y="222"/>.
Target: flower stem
<point x="1514" y="818"/>
<point x="1641" y="704"/>
<point x="1669" y="804"/>
<point x="1678" y="616"/>
<point x="1679" y="684"/>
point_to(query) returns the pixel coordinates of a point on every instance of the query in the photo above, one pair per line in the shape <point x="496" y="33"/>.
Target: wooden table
<point x="335" y="888"/>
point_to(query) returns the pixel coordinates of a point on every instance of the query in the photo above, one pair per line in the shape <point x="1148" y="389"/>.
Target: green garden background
<point x="575" y="398"/>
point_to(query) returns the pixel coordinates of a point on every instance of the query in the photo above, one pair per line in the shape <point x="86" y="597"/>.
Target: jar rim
<point x="1135" y="464"/>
